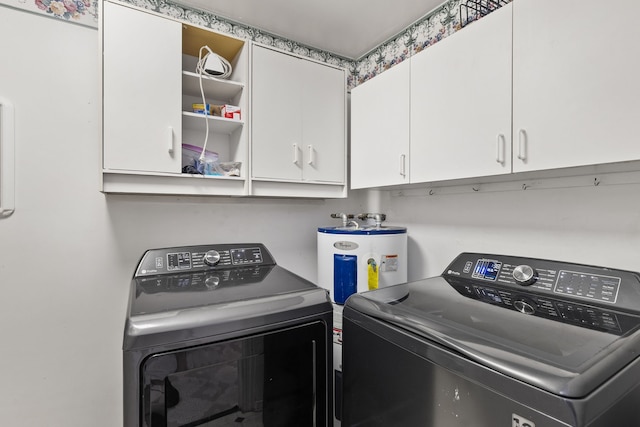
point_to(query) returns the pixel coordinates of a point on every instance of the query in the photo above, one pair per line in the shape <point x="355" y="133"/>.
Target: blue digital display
<point x="486" y="269"/>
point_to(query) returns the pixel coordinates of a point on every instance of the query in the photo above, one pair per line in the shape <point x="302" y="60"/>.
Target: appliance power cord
<point x="200" y="69"/>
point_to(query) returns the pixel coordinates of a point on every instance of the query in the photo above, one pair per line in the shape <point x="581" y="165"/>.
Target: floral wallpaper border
<point x="435" y="26"/>
<point x="430" y="29"/>
<point x="83" y="12"/>
<point x="223" y="25"/>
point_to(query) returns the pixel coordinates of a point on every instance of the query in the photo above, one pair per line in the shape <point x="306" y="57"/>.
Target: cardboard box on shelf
<point x="231" y="112"/>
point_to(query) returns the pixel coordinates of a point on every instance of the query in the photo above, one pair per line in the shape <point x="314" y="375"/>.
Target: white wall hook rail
<point x="7" y="158"/>
<point x="617" y="176"/>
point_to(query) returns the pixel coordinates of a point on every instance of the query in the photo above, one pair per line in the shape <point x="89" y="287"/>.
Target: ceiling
<point x="349" y="28"/>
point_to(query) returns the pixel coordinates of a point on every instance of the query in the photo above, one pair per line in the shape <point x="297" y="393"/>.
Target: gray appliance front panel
<point x="394" y="377"/>
<point x="166" y="329"/>
<point x="407" y="383"/>
<point x="563" y="359"/>
<point x="477" y="317"/>
<point x="183" y="297"/>
<point x="179" y="295"/>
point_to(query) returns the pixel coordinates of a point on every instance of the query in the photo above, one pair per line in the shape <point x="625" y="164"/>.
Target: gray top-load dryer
<point x="219" y="335"/>
<point x="496" y="341"/>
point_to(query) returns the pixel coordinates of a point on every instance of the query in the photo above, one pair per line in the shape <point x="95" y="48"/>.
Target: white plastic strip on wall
<point x="7" y="156"/>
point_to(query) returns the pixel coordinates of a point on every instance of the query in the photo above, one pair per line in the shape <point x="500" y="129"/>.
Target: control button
<point x="525" y="275"/>
<point x="467" y="267"/>
<point x="526" y="307"/>
<point x="211" y="257"/>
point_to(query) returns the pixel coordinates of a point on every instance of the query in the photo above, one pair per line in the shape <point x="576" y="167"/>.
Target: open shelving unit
<point x="147" y="121"/>
<point x="227" y="137"/>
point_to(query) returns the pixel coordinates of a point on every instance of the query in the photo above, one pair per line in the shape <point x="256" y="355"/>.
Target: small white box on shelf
<point x="231" y="112"/>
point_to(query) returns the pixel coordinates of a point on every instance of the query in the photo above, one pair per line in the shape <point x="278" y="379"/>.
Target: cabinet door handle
<point x="312" y="157"/>
<point x="7" y="162"/>
<point x="522" y="145"/>
<point x="500" y="148"/>
<point x="170" y="139"/>
<point x="403" y="159"/>
<point x="296" y="155"/>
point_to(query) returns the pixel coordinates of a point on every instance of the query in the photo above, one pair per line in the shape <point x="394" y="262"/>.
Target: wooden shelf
<point x="193" y="38"/>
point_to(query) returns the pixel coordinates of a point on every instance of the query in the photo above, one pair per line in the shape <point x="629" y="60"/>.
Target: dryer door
<point x="272" y="379"/>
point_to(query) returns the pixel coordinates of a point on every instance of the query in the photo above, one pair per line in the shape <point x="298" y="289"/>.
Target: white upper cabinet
<point x="380" y="129"/>
<point x="151" y="133"/>
<point x="142" y="70"/>
<point x="461" y="103"/>
<point x="536" y="85"/>
<point x="576" y="91"/>
<point x="298" y="128"/>
<point x="150" y="86"/>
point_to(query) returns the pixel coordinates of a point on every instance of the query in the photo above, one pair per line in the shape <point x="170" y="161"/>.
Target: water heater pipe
<point x="377" y="217"/>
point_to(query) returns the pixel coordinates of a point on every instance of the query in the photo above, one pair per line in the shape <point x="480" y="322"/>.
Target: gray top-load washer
<point x="220" y="334"/>
<point x="496" y="341"/>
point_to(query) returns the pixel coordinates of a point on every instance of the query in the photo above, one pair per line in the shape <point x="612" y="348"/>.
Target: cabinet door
<point x="298" y="119"/>
<point x="380" y="129"/>
<point x="141" y="91"/>
<point x="323" y="127"/>
<point x="461" y="103"/>
<point x="276" y="115"/>
<point x="576" y="89"/>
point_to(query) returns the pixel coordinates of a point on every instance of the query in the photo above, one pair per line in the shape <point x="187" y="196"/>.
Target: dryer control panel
<point x="575" y="293"/>
<point x="202" y="258"/>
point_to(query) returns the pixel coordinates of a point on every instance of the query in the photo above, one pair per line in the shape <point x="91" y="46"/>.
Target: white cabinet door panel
<point x="141" y="91"/>
<point x="380" y="129"/>
<point x="461" y="103"/>
<point x="324" y="123"/>
<point x="276" y="127"/>
<point x="575" y="84"/>
<point x="298" y="119"/>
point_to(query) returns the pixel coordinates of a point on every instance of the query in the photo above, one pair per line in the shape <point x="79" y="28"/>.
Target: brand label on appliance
<point x="344" y="245"/>
<point x="518" y="421"/>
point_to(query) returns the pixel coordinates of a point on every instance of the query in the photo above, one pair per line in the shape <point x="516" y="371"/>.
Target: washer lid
<point x="170" y="308"/>
<point x="562" y="358"/>
<point x="162" y="293"/>
<point x="364" y="231"/>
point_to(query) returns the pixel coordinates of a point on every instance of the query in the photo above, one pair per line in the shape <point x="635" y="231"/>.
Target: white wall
<point x="598" y="225"/>
<point x="68" y="252"/>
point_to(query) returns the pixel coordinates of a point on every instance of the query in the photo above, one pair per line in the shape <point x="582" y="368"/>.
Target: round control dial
<point x="525" y="275"/>
<point x="211" y="257"/>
